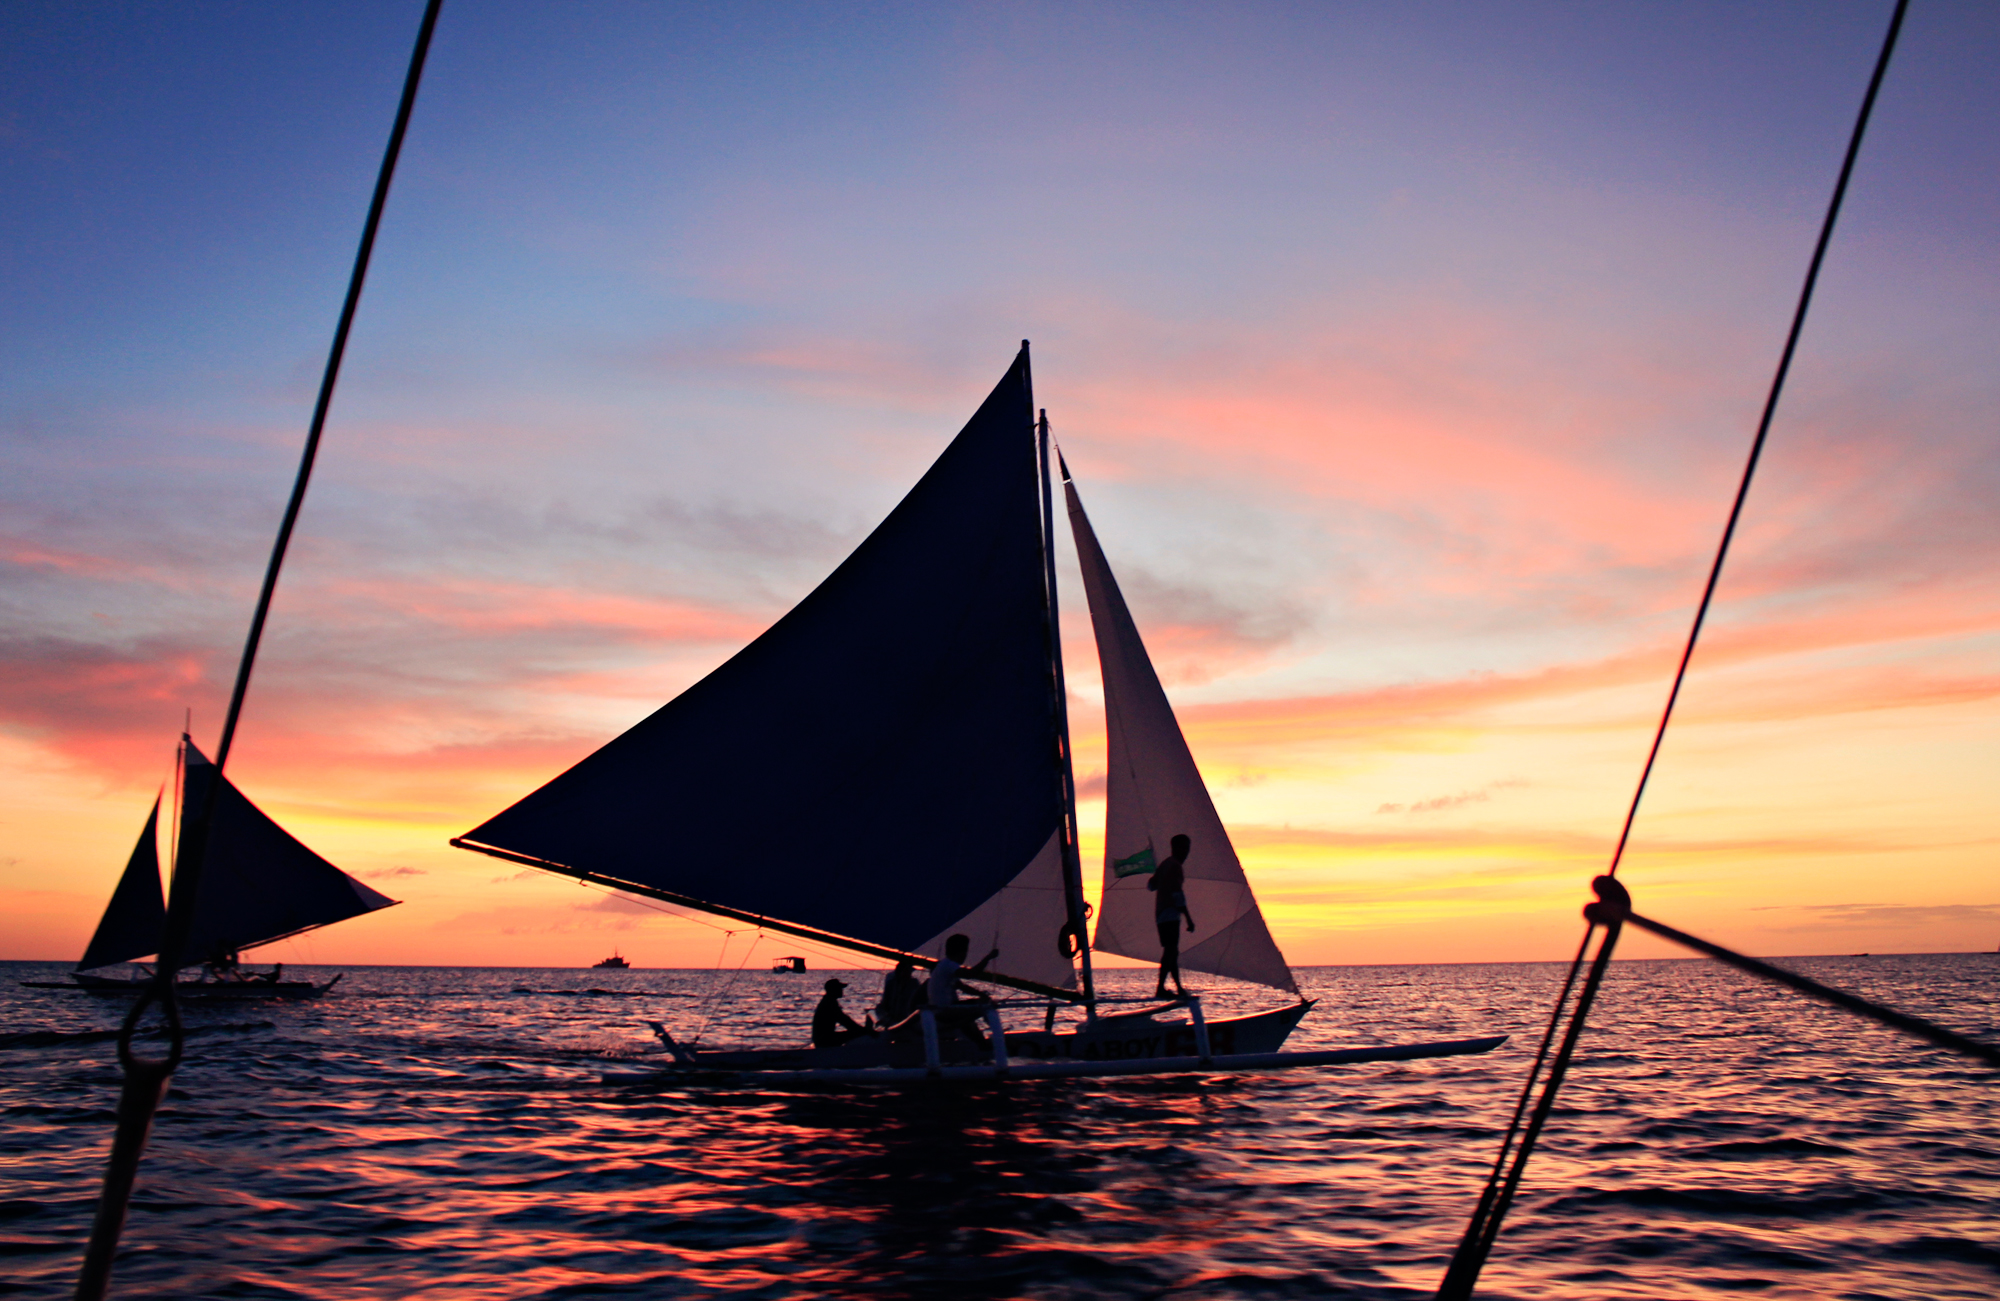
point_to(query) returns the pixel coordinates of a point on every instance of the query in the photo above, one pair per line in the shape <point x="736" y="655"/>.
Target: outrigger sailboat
<point x="889" y="765"/>
<point x="258" y="885"/>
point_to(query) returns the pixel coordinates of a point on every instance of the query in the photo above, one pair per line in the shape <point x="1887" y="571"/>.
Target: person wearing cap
<point x="832" y="1026"/>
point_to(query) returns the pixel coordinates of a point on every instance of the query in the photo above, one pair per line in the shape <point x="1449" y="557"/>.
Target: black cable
<point x="1928" y="1031"/>
<point x="1475" y="1228"/>
<point x="1484" y="1227"/>
<point x="1764" y="424"/>
<point x="354" y="282"/>
<point x="146" y="1080"/>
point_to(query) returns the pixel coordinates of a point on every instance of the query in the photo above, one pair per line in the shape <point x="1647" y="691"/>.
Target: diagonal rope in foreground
<point x="1915" y="1026"/>
<point x="1614" y="907"/>
<point x="146" y="1079"/>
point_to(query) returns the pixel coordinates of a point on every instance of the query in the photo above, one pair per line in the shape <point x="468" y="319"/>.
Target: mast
<point x="1072" y="860"/>
<point x="174" y="826"/>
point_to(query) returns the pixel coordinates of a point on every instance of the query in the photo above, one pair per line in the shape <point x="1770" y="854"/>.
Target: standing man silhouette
<point x="1169" y="886"/>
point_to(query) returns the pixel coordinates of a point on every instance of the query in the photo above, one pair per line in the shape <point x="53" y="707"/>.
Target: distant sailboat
<point x="889" y="765"/>
<point x="258" y="885"/>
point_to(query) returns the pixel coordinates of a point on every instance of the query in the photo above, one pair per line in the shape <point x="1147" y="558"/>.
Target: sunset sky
<point x="1406" y="357"/>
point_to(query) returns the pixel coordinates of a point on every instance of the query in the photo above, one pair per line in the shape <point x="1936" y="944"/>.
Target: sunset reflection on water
<point x="432" y="1131"/>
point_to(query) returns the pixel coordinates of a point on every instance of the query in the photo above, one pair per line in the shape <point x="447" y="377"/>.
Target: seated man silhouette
<point x="953" y="1017"/>
<point x="832" y="1026"/>
<point x="222" y="965"/>
<point x="902" y="994"/>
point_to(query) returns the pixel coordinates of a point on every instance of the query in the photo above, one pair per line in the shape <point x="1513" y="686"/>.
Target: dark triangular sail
<point x="137" y="913"/>
<point x="882" y="760"/>
<point x="258" y="883"/>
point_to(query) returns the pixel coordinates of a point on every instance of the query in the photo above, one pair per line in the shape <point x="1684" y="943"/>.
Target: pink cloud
<point x="495" y="607"/>
<point x="1461" y="705"/>
<point x="31" y="555"/>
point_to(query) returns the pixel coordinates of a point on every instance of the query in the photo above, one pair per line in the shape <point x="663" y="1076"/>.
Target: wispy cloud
<point x="1407" y="412"/>
<point x="1443" y="803"/>
<point x="1876" y="916"/>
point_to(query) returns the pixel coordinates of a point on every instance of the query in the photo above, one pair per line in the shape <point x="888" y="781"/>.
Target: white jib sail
<point x="1024" y="921"/>
<point x="1153" y="793"/>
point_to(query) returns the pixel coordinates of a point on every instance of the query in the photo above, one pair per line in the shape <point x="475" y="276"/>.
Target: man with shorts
<point x="1170" y="907"/>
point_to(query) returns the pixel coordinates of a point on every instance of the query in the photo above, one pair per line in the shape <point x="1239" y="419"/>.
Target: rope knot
<point x="1613" y="906"/>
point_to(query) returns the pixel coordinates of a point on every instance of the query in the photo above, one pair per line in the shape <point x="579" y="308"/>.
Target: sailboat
<point x="888" y="767"/>
<point x="258" y="885"/>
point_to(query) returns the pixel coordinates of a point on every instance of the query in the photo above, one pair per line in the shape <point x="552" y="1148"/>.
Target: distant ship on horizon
<point x="614" y="962"/>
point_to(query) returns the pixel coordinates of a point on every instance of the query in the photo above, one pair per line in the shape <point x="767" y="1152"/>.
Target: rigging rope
<point x="1763" y="424"/>
<point x="1929" y="1031"/>
<point x="1475" y="1228"/>
<point x="1614" y="907"/>
<point x="716" y="993"/>
<point x="146" y="1079"/>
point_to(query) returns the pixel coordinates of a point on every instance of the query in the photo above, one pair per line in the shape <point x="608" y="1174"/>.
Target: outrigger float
<point x="252" y="987"/>
<point x="889" y="765"/>
<point x="1128" y="1043"/>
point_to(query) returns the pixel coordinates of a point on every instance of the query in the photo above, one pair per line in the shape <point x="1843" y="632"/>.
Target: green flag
<point x="1139" y="864"/>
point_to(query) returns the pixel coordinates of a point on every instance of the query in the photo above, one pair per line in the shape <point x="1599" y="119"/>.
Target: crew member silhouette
<point x="944" y="989"/>
<point x="1170" y="907"/>
<point x="832" y="1026"/>
<point x="902" y="994"/>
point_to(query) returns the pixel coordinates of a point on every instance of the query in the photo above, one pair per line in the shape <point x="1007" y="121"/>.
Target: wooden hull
<point x="1165" y="1031"/>
<point x="1144" y="1035"/>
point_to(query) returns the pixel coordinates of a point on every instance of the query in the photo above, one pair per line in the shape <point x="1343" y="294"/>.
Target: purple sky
<point x="1406" y="355"/>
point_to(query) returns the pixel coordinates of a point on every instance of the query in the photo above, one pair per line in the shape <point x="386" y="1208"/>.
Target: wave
<point x="599" y="993"/>
<point x="68" y="1038"/>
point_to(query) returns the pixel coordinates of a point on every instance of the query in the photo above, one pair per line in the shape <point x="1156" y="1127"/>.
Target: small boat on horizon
<point x="259" y="885"/>
<point x="612" y="963"/>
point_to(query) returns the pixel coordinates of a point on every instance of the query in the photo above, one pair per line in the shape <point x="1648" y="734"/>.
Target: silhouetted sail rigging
<point x="1022" y="921"/>
<point x="137" y="915"/>
<point x="880" y="765"/>
<point x="258" y="883"/>
<point x="1153" y="793"/>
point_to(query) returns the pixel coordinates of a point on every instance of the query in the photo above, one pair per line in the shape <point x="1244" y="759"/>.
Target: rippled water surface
<point x="445" y="1132"/>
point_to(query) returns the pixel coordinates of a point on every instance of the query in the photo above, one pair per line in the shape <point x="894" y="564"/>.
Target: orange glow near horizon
<point x="1406" y="379"/>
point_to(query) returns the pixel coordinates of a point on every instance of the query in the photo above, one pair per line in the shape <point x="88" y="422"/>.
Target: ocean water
<point x="445" y="1133"/>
